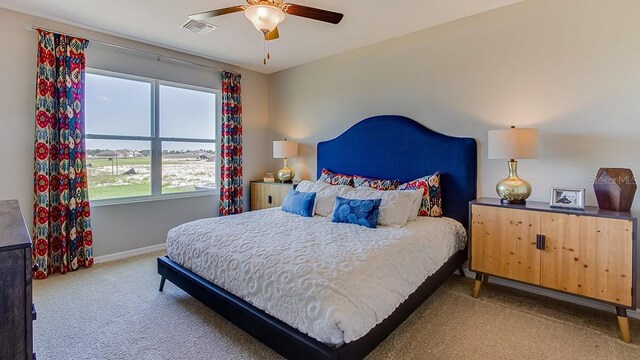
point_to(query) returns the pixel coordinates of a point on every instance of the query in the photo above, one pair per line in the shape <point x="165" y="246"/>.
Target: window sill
<point x="143" y="199"/>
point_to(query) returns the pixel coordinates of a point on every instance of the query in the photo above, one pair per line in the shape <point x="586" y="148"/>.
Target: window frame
<point x="156" y="140"/>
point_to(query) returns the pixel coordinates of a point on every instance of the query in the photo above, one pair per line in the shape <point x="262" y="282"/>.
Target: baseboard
<point x="129" y="253"/>
<point x="554" y="295"/>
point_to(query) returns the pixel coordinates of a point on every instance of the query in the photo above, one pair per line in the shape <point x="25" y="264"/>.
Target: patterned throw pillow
<point x="432" y="198"/>
<point x="378" y="184"/>
<point x="335" y="179"/>
<point x="359" y="212"/>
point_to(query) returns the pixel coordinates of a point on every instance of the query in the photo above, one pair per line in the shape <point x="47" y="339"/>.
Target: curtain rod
<point x="159" y="57"/>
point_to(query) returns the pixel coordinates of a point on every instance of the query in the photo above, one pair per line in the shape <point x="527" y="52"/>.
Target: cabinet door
<point x="278" y="192"/>
<point x="259" y="196"/>
<point x="504" y="243"/>
<point x="560" y="261"/>
<point x="589" y="256"/>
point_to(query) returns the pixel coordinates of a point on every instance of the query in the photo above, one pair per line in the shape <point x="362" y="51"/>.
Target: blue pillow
<point x="359" y="212"/>
<point x="299" y="203"/>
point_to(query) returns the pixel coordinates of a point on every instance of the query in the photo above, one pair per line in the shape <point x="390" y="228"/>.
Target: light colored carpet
<point x="114" y="311"/>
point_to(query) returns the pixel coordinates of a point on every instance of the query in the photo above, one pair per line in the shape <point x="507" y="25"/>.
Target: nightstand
<point x="589" y="253"/>
<point x="266" y="195"/>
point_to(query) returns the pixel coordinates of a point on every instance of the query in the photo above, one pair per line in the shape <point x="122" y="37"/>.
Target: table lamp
<point x="285" y="149"/>
<point x="513" y="144"/>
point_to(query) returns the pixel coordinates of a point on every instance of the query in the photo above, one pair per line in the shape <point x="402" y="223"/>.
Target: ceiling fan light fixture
<point x="264" y="17"/>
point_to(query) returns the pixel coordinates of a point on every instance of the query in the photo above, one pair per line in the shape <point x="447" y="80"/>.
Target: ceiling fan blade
<point x="272" y="35"/>
<point x="212" y="13"/>
<point x="313" y="13"/>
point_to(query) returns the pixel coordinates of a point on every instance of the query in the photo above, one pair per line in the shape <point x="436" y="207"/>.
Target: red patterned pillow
<point x="378" y="184"/>
<point x="432" y="198"/>
<point x="335" y="179"/>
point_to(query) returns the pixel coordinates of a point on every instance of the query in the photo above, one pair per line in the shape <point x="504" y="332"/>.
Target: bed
<point x="233" y="280"/>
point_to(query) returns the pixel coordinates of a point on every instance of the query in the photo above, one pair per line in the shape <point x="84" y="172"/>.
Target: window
<point x="149" y="139"/>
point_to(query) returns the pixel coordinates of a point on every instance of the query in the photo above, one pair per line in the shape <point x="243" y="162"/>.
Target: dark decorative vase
<point x="615" y="188"/>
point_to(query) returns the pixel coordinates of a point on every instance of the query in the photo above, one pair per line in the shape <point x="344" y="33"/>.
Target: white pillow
<point x="417" y="202"/>
<point x="325" y="195"/>
<point x="396" y="205"/>
<point x="305" y="185"/>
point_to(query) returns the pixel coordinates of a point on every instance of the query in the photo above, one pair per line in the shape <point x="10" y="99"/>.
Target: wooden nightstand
<point x="266" y="195"/>
<point x="590" y="253"/>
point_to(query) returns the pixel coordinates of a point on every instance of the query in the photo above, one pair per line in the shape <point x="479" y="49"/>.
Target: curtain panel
<point x="62" y="234"/>
<point x="231" y="192"/>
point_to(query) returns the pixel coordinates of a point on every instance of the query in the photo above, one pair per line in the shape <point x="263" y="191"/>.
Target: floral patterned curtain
<point x="61" y="227"/>
<point x="231" y="145"/>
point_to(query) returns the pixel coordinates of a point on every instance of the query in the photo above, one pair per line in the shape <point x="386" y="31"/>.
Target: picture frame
<point x="567" y="198"/>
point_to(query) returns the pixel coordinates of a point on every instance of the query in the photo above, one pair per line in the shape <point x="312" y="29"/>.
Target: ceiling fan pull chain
<point x="268" y="51"/>
<point x="264" y="52"/>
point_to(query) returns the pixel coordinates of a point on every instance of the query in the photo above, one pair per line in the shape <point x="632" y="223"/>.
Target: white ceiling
<point x="237" y="42"/>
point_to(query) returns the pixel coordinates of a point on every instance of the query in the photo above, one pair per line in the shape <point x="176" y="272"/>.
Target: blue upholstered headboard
<point x="396" y="147"/>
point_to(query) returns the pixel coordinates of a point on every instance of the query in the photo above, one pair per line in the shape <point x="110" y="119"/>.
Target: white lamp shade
<point x="285" y="149"/>
<point x="264" y="17"/>
<point x="513" y="144"/>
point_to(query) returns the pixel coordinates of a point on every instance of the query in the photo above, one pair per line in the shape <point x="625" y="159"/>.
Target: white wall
<point x="568" y="67"/>
<point x="117" y="227"/>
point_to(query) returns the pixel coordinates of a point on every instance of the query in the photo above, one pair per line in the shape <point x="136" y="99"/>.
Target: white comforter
<point x="334" y="282"/>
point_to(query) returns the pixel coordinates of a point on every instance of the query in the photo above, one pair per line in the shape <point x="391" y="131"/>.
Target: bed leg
<point x="461" y="272"/>
<point x="162" y="280"/>
<point x="477" y="285"/>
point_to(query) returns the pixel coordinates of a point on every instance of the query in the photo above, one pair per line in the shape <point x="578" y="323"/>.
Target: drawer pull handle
<point x="270" y="199"/>
<point x="540" y="242"/>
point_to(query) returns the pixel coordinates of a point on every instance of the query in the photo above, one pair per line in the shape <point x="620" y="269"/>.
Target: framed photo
<point x="567" y="198"/>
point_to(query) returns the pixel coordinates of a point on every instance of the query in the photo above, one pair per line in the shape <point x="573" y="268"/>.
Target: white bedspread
<point x="334" y="282"/>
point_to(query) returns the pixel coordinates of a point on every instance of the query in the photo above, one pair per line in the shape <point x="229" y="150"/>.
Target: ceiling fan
<point x="267" y="14"/>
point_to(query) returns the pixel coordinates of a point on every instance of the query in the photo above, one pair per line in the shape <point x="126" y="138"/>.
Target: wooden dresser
<point x="266" y="195"/>
<point x="16" y="310"/>
<point x="590" y="253"/>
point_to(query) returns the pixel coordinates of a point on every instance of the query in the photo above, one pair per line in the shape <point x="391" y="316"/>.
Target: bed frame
<point x="382" y="147"/>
